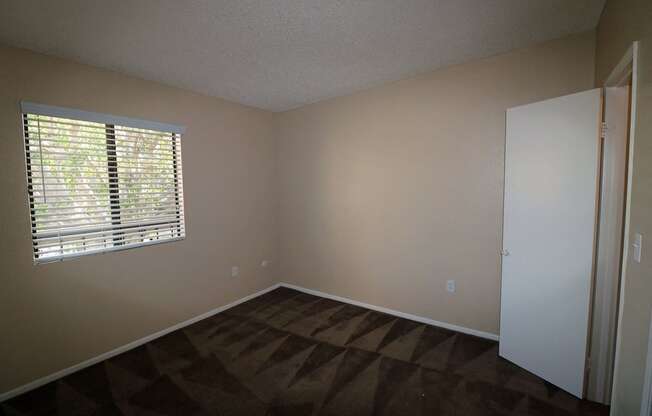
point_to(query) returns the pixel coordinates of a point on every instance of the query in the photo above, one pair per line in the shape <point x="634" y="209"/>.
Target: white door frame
<point x="646" y="401"/>
<point x="628" y="65"/>
<point x="613" y="180"/>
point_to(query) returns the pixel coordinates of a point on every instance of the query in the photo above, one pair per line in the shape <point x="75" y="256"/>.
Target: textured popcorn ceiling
<point x="281" y="54"/>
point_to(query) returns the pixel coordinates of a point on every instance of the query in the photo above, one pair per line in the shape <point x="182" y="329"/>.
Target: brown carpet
<point x="290" y="353"/>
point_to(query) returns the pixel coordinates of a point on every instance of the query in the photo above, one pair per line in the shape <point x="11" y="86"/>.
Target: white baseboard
<point x="66" y="371"/>
<point x="469" y="331"/>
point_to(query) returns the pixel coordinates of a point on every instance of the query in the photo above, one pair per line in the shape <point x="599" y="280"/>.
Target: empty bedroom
<point x="305" y="207"/>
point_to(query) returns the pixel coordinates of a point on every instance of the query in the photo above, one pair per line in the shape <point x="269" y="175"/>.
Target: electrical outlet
<point x="450" y="286"/>
<point x="264" y="263"/>
<point x="235" y="271"/>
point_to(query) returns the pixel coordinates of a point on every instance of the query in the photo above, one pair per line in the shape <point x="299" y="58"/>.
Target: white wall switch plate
<point x="450" y="286"/>
<point x="637" y="247"/>
<point x="264" y="263"/>
<point x="235" y="271"/>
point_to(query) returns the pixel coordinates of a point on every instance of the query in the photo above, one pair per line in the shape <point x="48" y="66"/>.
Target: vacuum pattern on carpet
<point x="290" y="353"/>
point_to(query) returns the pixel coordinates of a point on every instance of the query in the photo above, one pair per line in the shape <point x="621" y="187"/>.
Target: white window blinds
<point x="99" y="183"/>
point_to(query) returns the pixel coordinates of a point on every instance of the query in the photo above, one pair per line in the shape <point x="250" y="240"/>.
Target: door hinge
<point x="603" y="130"/>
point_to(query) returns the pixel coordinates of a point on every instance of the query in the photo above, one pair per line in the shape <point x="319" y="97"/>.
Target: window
<point x="99" y="183"/>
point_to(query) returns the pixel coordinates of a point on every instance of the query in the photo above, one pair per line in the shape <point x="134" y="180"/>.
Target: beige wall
<point x="56" y="315"/>
<point x="387" y="193"/>
<point x="622" y="22"/>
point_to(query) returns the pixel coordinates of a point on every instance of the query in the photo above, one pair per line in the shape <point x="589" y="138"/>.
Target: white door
<point x="551" y="183"/>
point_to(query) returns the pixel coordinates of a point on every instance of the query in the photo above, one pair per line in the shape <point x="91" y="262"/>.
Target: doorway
<point x="614" y="142"/>
<point x="618" y="146"/>
<point x="567" y="169"/>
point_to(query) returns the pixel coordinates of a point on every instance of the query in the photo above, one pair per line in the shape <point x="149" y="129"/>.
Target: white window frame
<point x="30" y="108"/>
